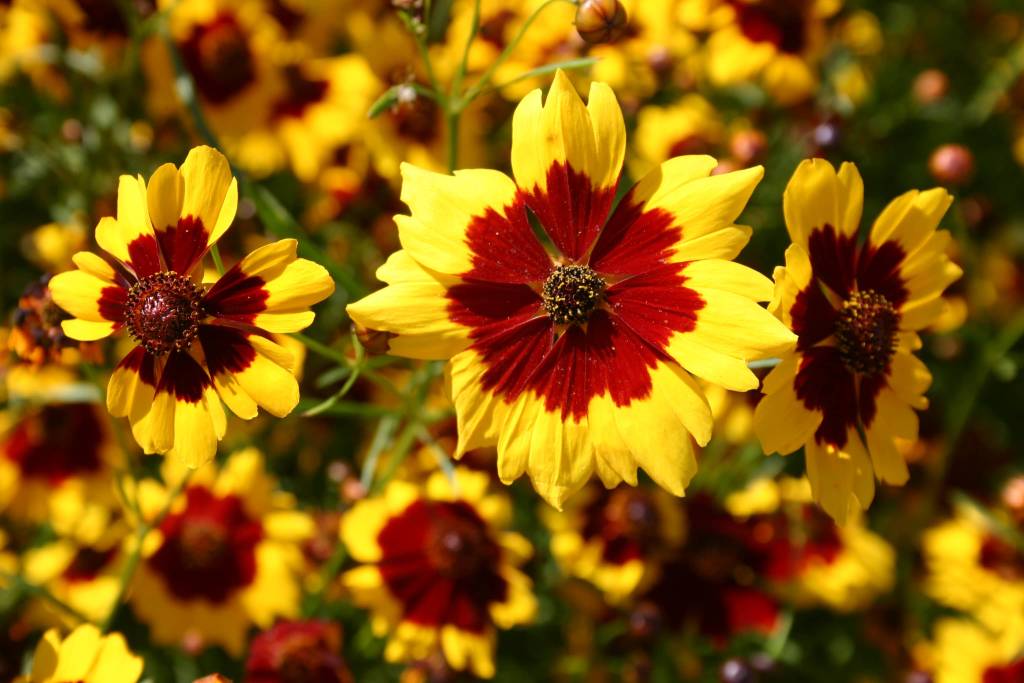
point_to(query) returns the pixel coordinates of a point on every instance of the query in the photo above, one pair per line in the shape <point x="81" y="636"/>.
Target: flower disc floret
<point x="866" y="332"/>
<point x="163" y="312"/>
<point x="571" y="293"/>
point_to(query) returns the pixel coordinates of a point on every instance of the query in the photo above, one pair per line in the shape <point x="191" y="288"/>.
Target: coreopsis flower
<point x="777" y="42"/>
<point x="196" y="344"/>
<point x="298" y="651"/>
<point x="973" y="569"/>
<point x="228" y="555"/>
<point x="616" y="539"/>
<point x="963" y="651"/>
<point x="439" y="569"/>
<point x="848" y="390"/>
<point x="573" y="352"/>
<point x="803" y="555"/>
<point x="85" y="656"/>
<point x="55" y="465"/>
<point x="36" y="336"/>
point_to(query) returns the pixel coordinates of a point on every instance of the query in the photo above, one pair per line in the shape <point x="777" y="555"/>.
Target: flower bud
<point x="601" y="21"/>
<point x="951" y="164"/>
<point x="375" y="341"/>
<point x="930" y="86"/>
<point x="1013" y="498"/>
<point x="747" y="146"/>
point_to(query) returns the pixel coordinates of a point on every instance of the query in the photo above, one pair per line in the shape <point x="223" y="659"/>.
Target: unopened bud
<point x="601" y="21"/>
<point x="376" y="342"/>
<point x="747" y="146"/>
<point x="951" y="164"/>
<point x="930" y="86"/>
<point x="1013" y="498"/>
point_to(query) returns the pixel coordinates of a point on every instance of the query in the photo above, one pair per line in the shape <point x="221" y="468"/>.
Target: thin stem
<point x="385" y="428"/>
<point x="478" y="87"/>
<point x="322" y="349"/>
<point x="44" y="594"/>
<point x="460" y="73"/>
<point x="132" y="563"/>
<point x="453" y="140"/>
<point x="217" y="263"/>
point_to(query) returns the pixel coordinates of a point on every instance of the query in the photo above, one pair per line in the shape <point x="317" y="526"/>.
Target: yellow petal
<point x="85" y="296"/>
<point x="811" y="200"/>
<point x="210" y="193"/>
<point x="165" y="196"/>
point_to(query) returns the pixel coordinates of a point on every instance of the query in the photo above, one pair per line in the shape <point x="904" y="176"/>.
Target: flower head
<point x="298" y="651"/>
<point x="572" y="352"/>
<point x="856" y="309"/>
<point x="227" y="556"/>
<point x="196" y="344"/>
<point x="86" y="655"/>
<point x="439" y="569"/>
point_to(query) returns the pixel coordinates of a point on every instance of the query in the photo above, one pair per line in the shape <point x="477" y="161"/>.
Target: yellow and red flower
<point x="616" y="539"/>
<point x="298" y="651"/>
<point x="965" y="652"/>
<point x="973" y="569"/>
<point x="778" y="42"/>
<point x="85" y="656"/>
<point x="856" y="309"/>
<point x="438" y="569"/>
<point x="197" y="345"/>
<point x="578" y="359"/>
<point x="227" y="556"/>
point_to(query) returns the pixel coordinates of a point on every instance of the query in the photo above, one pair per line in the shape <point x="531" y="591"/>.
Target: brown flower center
<point x="783" y="23"/>
<point x="458" y="547"/>
<point x="571" y="293"/>
<point x="203" y="544"/>
<point x="633" y="514"/>
<point x="218" y="56"/>
<point x="866" y="332"/>
<point x="163" y="312"/>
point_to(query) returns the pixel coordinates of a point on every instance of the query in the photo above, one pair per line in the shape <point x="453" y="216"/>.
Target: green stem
<point x="380" y="439"/>
<point x="478" y="87"/>
<point x="44" y="594"/>
<point x="132" y="563"/>
<point x="322" y="349"/>
<point x="217" y="263"/>
<point x="453" y="140"/>
<point x="330" y="570"/>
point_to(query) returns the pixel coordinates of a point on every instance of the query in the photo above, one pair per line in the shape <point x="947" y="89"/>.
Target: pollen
<point x="571" y="294"/>
<point x="866" y="332"/>
<point x="163" y="312"/>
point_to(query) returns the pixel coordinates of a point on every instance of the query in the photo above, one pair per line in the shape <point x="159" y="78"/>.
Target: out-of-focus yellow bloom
<point x="85" y="656"/>
<point x="813" y="562"/>
<point x="972" y="569"/>
<point x="862" y="33"/>
<point x="226" y="557"/>
<point x="775" y="42"/>
<point x="964" y="652"/>
<point x="616" y="539"/>
<point x="26" y="36"/>
<point x="689" y="126"/>
<point x="439" y="569"/>
<point x="51" y="246"/>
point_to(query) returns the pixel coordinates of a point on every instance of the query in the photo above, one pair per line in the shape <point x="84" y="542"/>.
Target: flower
<point x="804" y="555"/>
<point x="616" y="539"/>
<point x="780" y="42"/>
<point x="856" y="311"/>
<point x="297" y="651"/>
<point x="226" y="557"/>
<point x="579" y="359"/>
<point x="970" y="568"/>
<point x="55" y="466"/>
<point x="85" y="656"/>
<point x="964" y="652"/>
<point x="438" y="569"/>
<point x="195" y="343"/>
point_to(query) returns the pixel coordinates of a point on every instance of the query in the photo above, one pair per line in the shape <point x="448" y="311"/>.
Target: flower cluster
<point x="366" y="340"/>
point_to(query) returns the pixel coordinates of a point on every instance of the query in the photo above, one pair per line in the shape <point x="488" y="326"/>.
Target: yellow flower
<point x="810" y="560"/>
<point x="972" y="569"/>
<point x="226" y="557"/>
<point x="778" y="42"/>
<point x="964" y="652"/>
<point x="438" y="569"/>
<point x="197" y="345"/>
<point x="572" y="353"/>
<point x="689" y="126"/>
<point x="616" y="539"/>
<point x="856" y="309"/>
<point x="85" y="656"/>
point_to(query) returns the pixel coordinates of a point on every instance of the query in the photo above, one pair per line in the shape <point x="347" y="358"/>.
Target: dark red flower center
<point x="209" y="548"/>
<point x="1002" y="558"/>
<point x="88" y="563"/>
<point x="103" y="17"/>
<point x="62" y="441"/>
<point x="1011" y="673"/>
<point x="219" y="58"/>
<point x="571" y="293"/>
<point x="459" y="546"/>
<point x="302" y="93"/>
<point x="783" y="23"/>
<point x="866" y="332"/>
<point x="163" y="312"/>
<point x="298" y="652"/>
